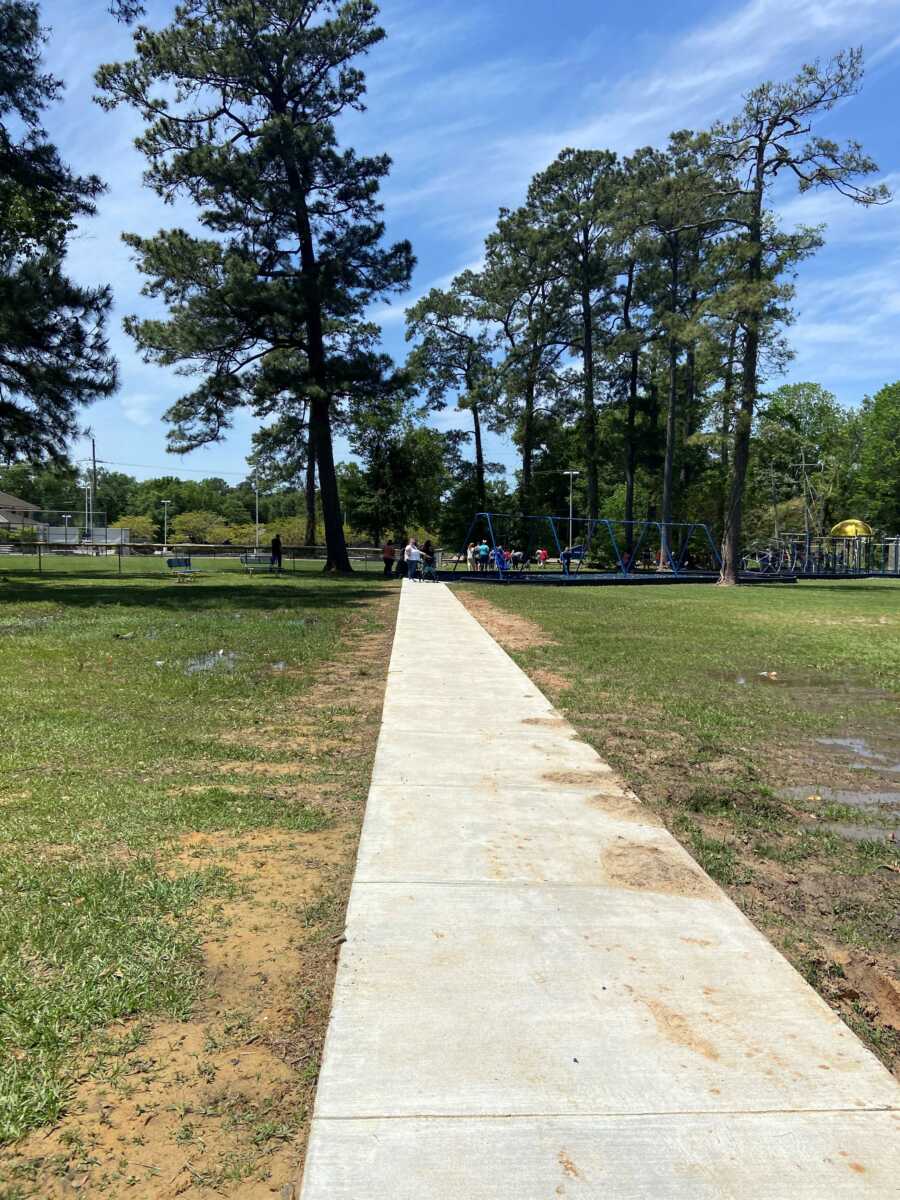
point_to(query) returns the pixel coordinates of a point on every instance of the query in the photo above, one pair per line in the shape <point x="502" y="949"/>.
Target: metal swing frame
<point x="683" y="531"/>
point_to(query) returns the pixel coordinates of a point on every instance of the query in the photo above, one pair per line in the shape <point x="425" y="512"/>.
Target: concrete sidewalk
<point x="542" y="995"/>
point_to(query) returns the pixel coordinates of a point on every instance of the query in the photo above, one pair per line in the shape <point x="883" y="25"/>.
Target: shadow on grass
<point x="87" y="591"/>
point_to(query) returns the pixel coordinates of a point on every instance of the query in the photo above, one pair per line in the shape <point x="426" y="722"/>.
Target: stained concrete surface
<point x="542" y="995"/>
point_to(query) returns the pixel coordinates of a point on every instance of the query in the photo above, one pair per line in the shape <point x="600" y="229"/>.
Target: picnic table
<point x="257" y="562"/>
<point x="181" y="568"/>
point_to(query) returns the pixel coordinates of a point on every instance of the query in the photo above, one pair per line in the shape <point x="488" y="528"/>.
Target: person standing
<point x="387" y="557"/>
<point x="412" y="556"/>
<point x="276" y="552"/>
<point x="484" y="555"/>
<point x="470" y="557"/>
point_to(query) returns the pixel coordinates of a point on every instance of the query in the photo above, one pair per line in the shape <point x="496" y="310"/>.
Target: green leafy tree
<point x="676" y="213"/>
<point x="573" y="204"/>
<point x="142" y="528"/>
<point x="240" y="102"/>
<point x="876" y="485"/>
<point x="54" y="357"/>
<point x="197" y="527"/>
<point x="765" y="141"/>
<point x="400" y="480"/>
<point x="523" y="298"/>
<point x="452" y="354"/>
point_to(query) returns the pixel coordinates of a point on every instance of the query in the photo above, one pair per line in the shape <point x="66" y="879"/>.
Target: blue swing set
<point x="597" y="547"/>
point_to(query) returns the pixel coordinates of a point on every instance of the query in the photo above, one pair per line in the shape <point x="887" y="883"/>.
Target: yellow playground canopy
<point x="852" y="529"/>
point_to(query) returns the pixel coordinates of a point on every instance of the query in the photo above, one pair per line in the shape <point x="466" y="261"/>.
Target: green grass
<point x="111" y="746"/>
<point x="667" y="660"/>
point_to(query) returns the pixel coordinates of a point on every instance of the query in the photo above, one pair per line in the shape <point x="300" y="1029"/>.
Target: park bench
<point x="257" y="562"/>
<point x="181" y="568"/>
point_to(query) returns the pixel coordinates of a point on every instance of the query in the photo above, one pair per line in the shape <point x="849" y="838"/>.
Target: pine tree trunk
<point x="631" y="415"/>
<point x="631" y="449"/>
<point x="671" y="418"/>
<point x="731" y="542"/>
<point x="479" y="460"/>
<point x="337" y="558"/>
<point x="725" y="429"/>
<point x="527" y="447"/>
<point x="310" y="489"/>
<point x="590" y="413"/>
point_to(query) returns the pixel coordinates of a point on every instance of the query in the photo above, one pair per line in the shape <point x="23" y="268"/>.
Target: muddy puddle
<point x="857" y="833"/>
<point x="864" y="802"/>
<point x="215" y="660"/>
<point x="865" y="754"/>
<point x="879" y="812"/>
<point x="820" y="686"/>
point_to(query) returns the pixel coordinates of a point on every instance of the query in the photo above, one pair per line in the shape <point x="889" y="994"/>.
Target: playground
<point x="568" y="551"/>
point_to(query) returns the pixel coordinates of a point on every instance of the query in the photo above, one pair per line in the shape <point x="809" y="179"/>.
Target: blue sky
<point x="470" y="99"/>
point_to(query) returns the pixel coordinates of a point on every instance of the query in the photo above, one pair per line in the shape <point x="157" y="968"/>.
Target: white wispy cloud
<point x="470" y="102"/>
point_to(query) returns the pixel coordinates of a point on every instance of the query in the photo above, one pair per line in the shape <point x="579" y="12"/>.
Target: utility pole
<point x="165" y="504"/>
<point x="67" y="517"/>
<point x="94" y="472"/>
<point x="256" y="492"/>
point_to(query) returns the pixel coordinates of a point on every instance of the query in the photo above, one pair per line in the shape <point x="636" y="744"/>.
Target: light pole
<point x="165" y="504"/>
<point x="571" y="475"/>
<point x="88" y="511"/>
<point x="67" y="517"/>
<point x="256" y="493"/>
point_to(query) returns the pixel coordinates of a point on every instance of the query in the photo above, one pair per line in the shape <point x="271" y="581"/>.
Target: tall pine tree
<point x="240" y="102"/>
<point x="54" y="356"/>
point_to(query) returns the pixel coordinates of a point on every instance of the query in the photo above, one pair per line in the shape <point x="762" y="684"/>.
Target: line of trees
<point x="624" y="322"/>
<point x="639" y="303"/>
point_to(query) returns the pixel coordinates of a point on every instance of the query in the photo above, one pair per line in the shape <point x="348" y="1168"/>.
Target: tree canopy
<point x="54" y="356"/>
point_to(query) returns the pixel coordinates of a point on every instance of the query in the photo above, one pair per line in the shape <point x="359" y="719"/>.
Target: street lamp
<point x="571" y="475"/>
<point x="165" y="504"/>
<point x="88" y="512"/>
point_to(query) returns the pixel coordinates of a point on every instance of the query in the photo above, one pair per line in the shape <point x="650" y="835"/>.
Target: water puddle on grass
<point x="879" y="812"/>
<point x="857" y="833"/>
<point x="215" y="660"/>
<point x="877" y="758"/>
<point x="865" y="802"/>
<point x="818" y="687"/>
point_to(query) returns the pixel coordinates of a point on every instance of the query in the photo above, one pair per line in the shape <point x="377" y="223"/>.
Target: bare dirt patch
<point x="219" y="1104"/>
<point x="654" y="869"/>
<point x="625" y="807"/>
<point x="551" y="682"/>
<point x="511" y="631"/>
<point x="576" y="778"/>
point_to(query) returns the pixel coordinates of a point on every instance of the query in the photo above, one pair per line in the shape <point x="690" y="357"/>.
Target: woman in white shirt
<point x="411" y="556"/>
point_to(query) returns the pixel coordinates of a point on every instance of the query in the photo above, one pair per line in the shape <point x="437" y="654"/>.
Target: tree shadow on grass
<point x="153" y="591"/>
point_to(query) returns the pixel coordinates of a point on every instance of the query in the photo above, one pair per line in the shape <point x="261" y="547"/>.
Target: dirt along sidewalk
<point x="218" y="1103"/>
